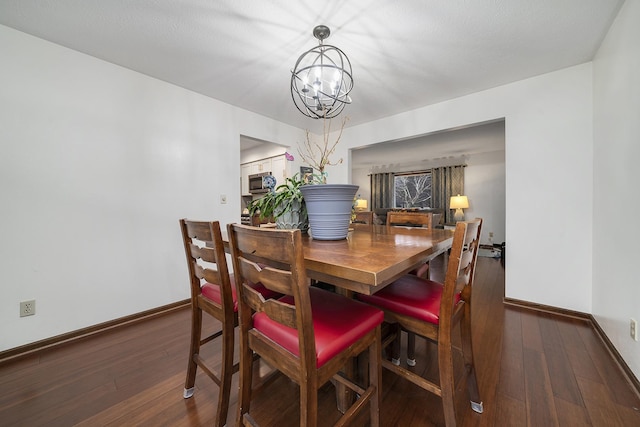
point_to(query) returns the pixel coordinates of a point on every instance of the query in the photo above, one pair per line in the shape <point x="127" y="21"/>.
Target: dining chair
<point x="414" y="219"/>
<point x="212" y="292"/>
<point x="432" y="310"/>
<point x="410" y="218"/>
<point x="309" y="334"/>
<point x="363" y="218"/>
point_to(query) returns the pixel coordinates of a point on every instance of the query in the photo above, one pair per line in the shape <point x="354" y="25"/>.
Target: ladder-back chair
<point x="410" y="218"/>
<point x="433" y="310"/>
<point x="212" y="292"/>
<point x="363" y="218"/>
<point x="413" y="219"/>
<point x="309" y="334"/>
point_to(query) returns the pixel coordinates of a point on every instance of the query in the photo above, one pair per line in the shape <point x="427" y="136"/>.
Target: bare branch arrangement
<point x="316" y="154"/>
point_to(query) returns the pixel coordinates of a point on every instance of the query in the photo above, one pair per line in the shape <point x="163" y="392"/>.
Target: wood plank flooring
<point x="534" y="369"/>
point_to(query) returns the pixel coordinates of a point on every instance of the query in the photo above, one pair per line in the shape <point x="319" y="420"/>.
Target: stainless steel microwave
<point x="256" y="183"/>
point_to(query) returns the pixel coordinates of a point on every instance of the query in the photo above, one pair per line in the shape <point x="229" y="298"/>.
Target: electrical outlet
<point x="633" y="329"/>
<point x="28" y="308"/>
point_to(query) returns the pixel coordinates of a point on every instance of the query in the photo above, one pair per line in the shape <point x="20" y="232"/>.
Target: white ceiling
<point x="405" y="54"/>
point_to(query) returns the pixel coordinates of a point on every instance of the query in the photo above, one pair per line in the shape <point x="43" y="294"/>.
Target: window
<point x="412" y="190"/>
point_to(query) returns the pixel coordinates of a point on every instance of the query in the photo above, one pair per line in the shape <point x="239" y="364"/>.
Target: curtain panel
<point x="446" y="182"/>
<point x="381" y="190"/>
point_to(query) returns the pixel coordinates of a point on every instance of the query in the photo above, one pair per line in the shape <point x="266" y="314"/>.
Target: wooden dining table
<point x="372" y="256"/>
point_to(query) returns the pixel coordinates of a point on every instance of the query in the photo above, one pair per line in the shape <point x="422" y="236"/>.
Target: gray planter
<point x="329" y="209"/>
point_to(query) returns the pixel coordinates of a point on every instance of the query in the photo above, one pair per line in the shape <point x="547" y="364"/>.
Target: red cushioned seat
<point x="338" y="322"/>
<point x="410" y="296"/>
<point x="212" y="292"/>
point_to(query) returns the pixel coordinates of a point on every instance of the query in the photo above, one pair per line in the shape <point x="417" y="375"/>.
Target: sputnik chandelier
<point x="321" y="79"/>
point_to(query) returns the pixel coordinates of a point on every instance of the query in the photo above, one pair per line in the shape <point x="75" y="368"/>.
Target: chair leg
<point x="194" y="348"/>
<point x="309" y="403"/>
<point x="375" y="378"/>
<point x="447" y="386"/>
<point x="467" y="351"/>
<point x="411" y="349"/>
<point x="246" y="373"/>
<point x="226" y="373"/>
<point x="424" y="272"/>
<point x="395" y="346"/>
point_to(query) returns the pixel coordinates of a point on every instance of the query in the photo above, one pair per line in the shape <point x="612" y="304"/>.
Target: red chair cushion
<point x="212" y="292"/>
<point x="410" y="296"/>
<point x="338" y="322"/>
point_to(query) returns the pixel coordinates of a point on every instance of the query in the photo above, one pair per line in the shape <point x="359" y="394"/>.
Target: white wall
<point x="616" y="287"/>
<point x="97" y="164"/>
<point x="360" y="177"/>
<point x="484" y="184"/>
<point x="548" y="157"/>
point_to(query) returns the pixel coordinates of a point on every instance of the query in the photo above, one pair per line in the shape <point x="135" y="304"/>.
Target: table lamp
<point x="458" y="203"/>
<point x="361" y="204"/>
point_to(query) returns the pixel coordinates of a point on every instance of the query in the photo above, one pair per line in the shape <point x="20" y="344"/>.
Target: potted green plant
<point x="329" y="205"/>
<point x="285" y="204"/>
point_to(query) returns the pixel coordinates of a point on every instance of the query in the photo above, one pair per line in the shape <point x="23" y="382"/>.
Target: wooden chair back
<point x="206" y="260"/>
<point x="207" y="265"/>
<point x="363" y="218"/>
<point x="416" y="219"/>
<point x="460" y="269"/>
<point x="274" y="258"/>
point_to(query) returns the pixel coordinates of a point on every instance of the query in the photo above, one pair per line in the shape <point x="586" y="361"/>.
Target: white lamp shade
<point x="361" y="204"/>
<point x="458" y="202"/>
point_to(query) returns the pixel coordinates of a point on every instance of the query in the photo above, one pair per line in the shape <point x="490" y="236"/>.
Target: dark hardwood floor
<point x="534" y="369"/>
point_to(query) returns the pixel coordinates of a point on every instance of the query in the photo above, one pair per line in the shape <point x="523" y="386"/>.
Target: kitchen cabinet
<point x="245" y="171"/>
<point x="279" y="169"/>
<point x="260" y="166"/>
<point x="276" y="165"/>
